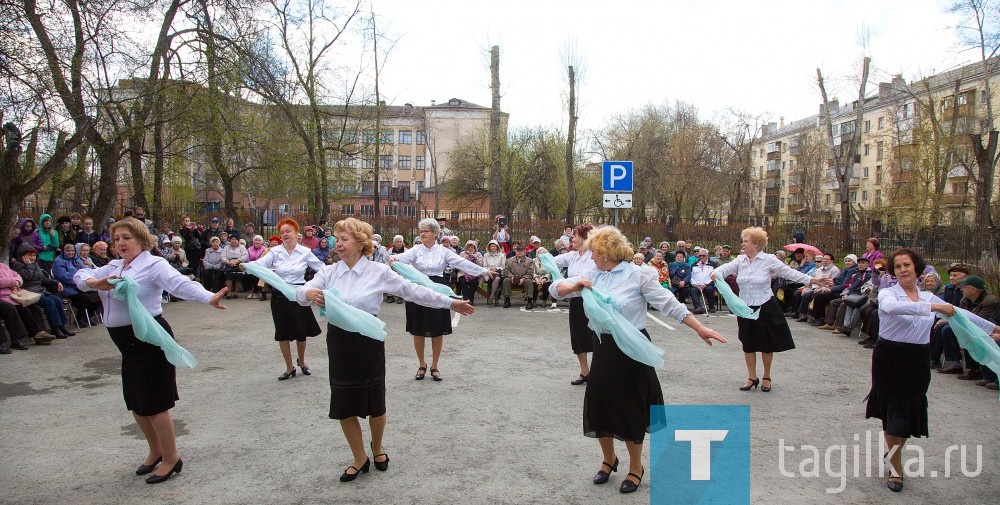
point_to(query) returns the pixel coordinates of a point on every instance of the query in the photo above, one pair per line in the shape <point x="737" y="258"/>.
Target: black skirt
<point x="425" y="321"/>
<point x="291" y="320"/>
<point x="619" y="393"/>
<point x="900" y="378"/>
<point x="357" y="374"/>
<point x="149" y="381"/>
<point x="769" y="333"/>
<point x="581" y="337"/>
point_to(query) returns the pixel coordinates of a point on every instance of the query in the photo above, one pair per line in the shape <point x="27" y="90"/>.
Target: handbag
<point x="855" y="301"/>
<point x="25" y="297"/>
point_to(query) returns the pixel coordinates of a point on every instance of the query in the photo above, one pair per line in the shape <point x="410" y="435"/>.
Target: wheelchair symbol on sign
<point x="618" y="201"/>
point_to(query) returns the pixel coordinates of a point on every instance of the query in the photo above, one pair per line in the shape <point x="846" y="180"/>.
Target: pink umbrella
<point x="807" y="247"/>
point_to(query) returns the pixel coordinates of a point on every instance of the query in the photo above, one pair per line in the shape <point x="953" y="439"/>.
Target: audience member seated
<point x="823" y="296"/>
<point x="882" y="279"/>
<point x="662" y="268"/>
<point x="467" y="283"/>
<point x="233" y="255"/>
<point x="702" y="285"/>
<point x="680" y="274"/>
<point x="518" y="272"/>
<point x="494" y="260"/>
<point x="87" y="305"/>
<point x="38" y="281"/>
<point x="212" y="267"/>
<point x="977" y="300"/>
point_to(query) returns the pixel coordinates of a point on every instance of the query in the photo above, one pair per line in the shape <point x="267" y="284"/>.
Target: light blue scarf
<point x="600" y="309"/>
<point x="413" y="275"/>
<point x="735" y="304"/>
<point x="146" y="328"/>
<point x="349" y="317"/>
<point x="267" y="275"/>
<point x="972" y="338"/>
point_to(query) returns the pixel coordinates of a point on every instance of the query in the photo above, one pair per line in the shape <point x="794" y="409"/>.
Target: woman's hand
<point x="218" y="296"/>
<point x="943" y="308"/>
<point x="584" y="283"/>
<point x="822" y="281"/>
<point x="391" y="259"/>
<point x="102" y="284"/>
<point x="714" y="277"/>
<point x="462" y="307"/>
<point x="708" y="335"/>
<point x="314" y="295"/>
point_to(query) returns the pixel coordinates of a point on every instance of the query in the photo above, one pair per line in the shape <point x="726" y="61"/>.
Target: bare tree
<point x="495" y="132"/>
<point x="742" y="134"/>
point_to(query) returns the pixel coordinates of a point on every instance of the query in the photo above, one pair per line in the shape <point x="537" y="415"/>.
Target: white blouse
<point x="576" y="263"/>
<point x="291" y="267"/>
<point x="362" y="286"/>
<point x="632" y="287"/>
<point x="903" y="320"/>
<point x="754" y="278"/>
<point x="431" y="261"/>
<point x="154" y="276"/>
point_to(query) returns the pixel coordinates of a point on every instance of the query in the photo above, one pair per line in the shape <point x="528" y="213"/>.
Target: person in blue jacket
<point x="680" y="277"/>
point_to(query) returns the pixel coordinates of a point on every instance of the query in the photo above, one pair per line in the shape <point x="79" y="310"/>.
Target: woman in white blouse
<point x="621" y="390"/>
<point x="148" y="380"/>
<point x="578" y="262"/>
<point x="494" y="261"/>
<point x="769" y="333"/>
<point x="431" y="259"/>
<point x="900" y="375"/>
<point x="357" y="362"/>
<point x="291" y="321"/>
<point x="234" y="254"/>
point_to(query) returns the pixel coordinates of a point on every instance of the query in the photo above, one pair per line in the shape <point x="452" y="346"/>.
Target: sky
<point x="757" y="56"/>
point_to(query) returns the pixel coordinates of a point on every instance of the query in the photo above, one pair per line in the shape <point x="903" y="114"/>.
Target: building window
<point x="865" y="172"/>
<point x="383" y="187"/>
<point x="368" y="161"/>
<point x="369" y="137"/>
<point x="878" y="174"/>
<point x="826" y="199"/>
<point x="350" y="137"/>
<point x="388" y="137"/>
<point x="405" y="137"/>
<point x="963" y="99"/>
<point x="420" y="162"/>
<point x="367" y="189"/>
<point x="367" y="210"/>
<point x="404" y="162"/>
<point x="421" y="137"/>
<point x="878" y="196"/>
<point x="868" y="149"/>
<point x="390" y="210"/>
<point x="385" y="161"/>
<point x="409" y="211"/>
<point x="907" y="110"/>
<point x="880" y="150"/>
<point x="418" y="188"/>
<point x="347" y="209"/>
<point x="881" y="123"/>
<point x="864" y="196"/>
<point x="868" y="125"/>
<point x="348" y="188"/>
<point x="854" y="196"/>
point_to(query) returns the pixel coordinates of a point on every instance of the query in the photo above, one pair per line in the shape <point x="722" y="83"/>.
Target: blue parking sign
<point x="616" y="176"/>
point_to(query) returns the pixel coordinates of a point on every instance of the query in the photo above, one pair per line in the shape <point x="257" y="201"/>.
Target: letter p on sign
<point x="616" y="176"/>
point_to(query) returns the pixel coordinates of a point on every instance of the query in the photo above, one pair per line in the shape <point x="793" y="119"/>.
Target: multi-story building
<point x="913" y="156"/>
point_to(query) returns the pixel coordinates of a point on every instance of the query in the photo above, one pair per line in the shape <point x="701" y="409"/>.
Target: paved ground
<point x="504" y="426"/>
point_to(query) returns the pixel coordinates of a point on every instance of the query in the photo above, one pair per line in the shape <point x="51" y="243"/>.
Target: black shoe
<point x="263" y="296"/>
<point x="711" y="310"/>
<point x="581" y="380"/>
<point x="506" y="302"/>
<point x="380" y="465"/>
<point x="935" y="364"/>
<point x="698" y="311"/>
<point x="601" y="476"/>
<point x="287" y="375"/>
<point x="4" y="349"/>
<point x="155" y="479"/>
<point x="869" y="345"/>
<point x="17" y="344"/>
<point x="529" y="306"/>
<point x="763" y="387"/>
<point x="437" y="378"/>
<point x="752" y="384"/>
<point x="895" y="485"/>
<point x="347" y="477"/>
<point x="629" y="486"/>
<point x="66" y="331"/>
<point x="421" y="372"/>
<point x="496" y="302"/>
<point x="305" y="369"/>
<point x="144" y="469"/>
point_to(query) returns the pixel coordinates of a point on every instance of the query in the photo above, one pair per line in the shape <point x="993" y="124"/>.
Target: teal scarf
<point x="145" y="326"/>
<point x="735" y="304"/>
<point x="267" y="275"/>
<point x="351" y="318"/>
<point x="413" y="275"/>
<point x="973" y="339"/>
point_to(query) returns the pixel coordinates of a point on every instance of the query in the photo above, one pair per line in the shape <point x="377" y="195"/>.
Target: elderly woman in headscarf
<point x="494" y="261"/>
<point x="468" y="281"/>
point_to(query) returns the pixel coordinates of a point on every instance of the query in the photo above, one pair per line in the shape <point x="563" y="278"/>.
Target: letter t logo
<point x="701" y="450"/>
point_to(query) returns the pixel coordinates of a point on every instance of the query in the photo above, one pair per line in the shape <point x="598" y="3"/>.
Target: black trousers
<point x="15" y="327"/>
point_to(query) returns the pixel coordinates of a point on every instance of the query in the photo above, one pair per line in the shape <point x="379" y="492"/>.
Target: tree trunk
<point x="495" y="185"/>
<point x="135" y="146"/>
<point x="570" y="143"/>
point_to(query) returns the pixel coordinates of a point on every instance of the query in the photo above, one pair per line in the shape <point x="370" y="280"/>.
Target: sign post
<point x="616" y="182"/>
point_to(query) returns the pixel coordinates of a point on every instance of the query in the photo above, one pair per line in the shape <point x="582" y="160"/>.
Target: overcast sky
<point x="759" y="56"/>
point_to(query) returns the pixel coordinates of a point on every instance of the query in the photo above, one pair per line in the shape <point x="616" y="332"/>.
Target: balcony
<point x="854" y="182"/>
<point x="771" y="184"/>
<point x="776" y="155"/>
<point x="794" y="189"/>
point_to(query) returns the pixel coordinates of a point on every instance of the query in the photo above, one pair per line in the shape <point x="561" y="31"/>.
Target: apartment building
<point x="913" y="154"/>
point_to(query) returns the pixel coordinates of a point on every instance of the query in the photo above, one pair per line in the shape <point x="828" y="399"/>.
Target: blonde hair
<point x="609" y="243"/>
<point x="361" y="231"/>
<point x="756" y="235"/>
<point x="138" y="231"/>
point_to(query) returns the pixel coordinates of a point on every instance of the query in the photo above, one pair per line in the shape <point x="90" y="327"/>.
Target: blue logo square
<point x="700" y="454"/>
<point x="616" y="176"/>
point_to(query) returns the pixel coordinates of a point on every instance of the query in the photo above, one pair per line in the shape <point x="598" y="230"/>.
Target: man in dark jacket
<point x="977" y="300"/>
<point x="834" y="317"/>
<point x="823" y="296"/>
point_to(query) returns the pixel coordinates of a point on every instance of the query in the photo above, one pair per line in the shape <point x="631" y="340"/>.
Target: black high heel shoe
<point x="347" y="477"/>
<point x="601" y="476"/>
<point x="380" y="465"/>
<point x="420" y="373"/>
<point x="287" y="375"/>
<point x="156" y="479"/>
<point x="305" y="369"/>
<point x="766" y="388"/>
<point x="753" y="384"/>
<point x="144" y="469"/>
<point x="438" y="377"/>
<point x="629" y="486"/>
<point x="581" y="380"/>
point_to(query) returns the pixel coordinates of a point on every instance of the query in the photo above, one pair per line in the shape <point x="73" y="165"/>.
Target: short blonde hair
<point x="609" y="243"/>
<point x="138" y="231"/>
<point x="361" y="231"/>
<point x="756" y="235"/>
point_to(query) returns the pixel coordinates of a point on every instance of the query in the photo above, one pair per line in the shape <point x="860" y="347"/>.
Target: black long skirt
<point x="428" y="322"/>
<point x="291" y="320"/>
<point x="357" y="374"/>
<point x="769" y="333"/>
<point x="900" y="378"/>
<point x="149" y="381"/>
<point x="581" y="337"/>
<point x="619" y="393"/>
